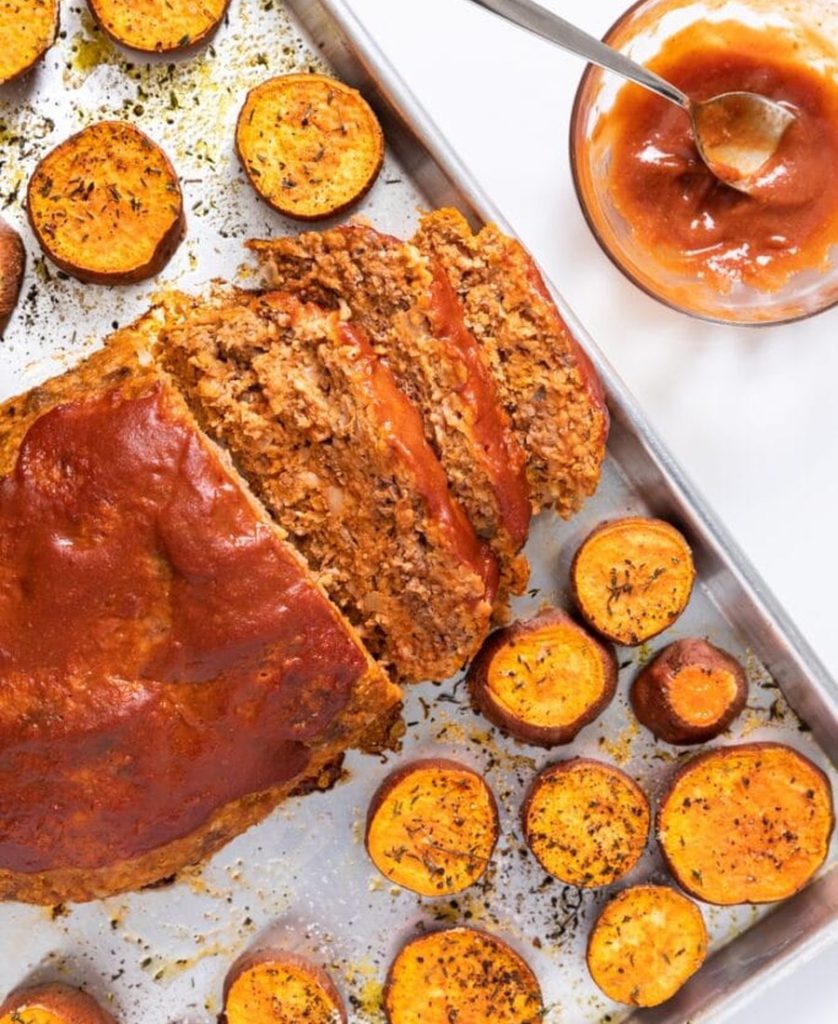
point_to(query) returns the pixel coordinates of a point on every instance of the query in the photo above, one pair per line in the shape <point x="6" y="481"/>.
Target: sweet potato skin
<point x="657" y="961"/>
<point x="111" y="138"/>
<point x="327" y="1008"/>
<point x="750" y="823"/>
<point x="13" y="63"/>
<point x="461" y="974"/>
<point x="592" y="836"/>
<point x="64" y="1004"/>
<point x="702" y="667"/>
<point x="12" y="265"/>
<point x="522" y="720"/>
<point x="632" y="578"/>
<point x="479" y="803"/>
<point x="304" y="166"/>
<point x="174" y="37"/>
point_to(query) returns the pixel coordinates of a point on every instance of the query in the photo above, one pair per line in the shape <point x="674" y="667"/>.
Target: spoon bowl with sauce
<point x="736" y="133"/>
<point x="691" y="237"/>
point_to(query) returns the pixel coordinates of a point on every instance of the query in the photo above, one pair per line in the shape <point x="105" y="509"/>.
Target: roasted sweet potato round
<point x="586" y="822"/>
<point x="272" y="986"/>
<point x="632" y="578"/>
<point x="690" y="692"/>
<point x="432" y="827"/>
<point x="106" y="205"/>
<point x="542" y="680"/>
<point x="158" y="26"/>
<point x="746" y="824"/>
<point x="461" y="974"/>
<point x="647" y="942"/>
<point x="310" y="145"/>
<point x="52" y="1003"/>
<point x="12" y="263"/>
<point x="27" y="30"/>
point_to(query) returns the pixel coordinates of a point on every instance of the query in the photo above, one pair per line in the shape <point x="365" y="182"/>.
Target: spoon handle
<point x="537" y="19"/>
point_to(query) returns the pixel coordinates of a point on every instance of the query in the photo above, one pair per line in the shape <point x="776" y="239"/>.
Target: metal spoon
<point x="736" y="133"/>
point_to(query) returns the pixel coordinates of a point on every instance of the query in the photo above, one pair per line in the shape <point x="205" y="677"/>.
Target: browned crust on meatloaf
<point x="126" y="366"/>
<point x="80" y="885"/>
<point x="406" y="305"/>
<point x="291" y="392"/>
<point x="547" y="384"/>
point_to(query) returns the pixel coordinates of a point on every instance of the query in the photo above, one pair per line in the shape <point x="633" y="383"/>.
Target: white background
<point x="751" y="414"/>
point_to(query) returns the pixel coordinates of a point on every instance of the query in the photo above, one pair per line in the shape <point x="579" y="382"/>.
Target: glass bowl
<point x="812" y="28"/>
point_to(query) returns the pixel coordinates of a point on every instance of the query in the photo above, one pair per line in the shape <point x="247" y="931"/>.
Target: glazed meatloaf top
<point x="169" y="669"/>
<point x="405" y="303"/>
<point x="317" y="424"/>
<point x="547" y="384"/>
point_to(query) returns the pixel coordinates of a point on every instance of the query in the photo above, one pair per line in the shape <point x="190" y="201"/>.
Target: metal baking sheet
<point x="302" y="877"/>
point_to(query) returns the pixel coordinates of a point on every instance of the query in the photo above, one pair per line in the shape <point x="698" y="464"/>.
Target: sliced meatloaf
<point x="404" y="301"/>
<point x="169" y="668"/>
<point x="319" y="428"/>
<point x="547" y="384"/>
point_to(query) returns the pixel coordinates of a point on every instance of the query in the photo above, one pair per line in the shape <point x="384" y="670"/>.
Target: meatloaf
<point x="405" y="303"/>
<point x="169" y="668"/>
<point x="337" y="452"/>
<point x="547" y="385"/>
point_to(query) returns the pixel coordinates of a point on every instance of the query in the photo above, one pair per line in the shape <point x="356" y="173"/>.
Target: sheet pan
<point x="302" y="878"/>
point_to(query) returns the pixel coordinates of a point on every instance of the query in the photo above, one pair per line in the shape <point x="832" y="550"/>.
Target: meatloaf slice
<point x="548" y="386"/>
<point x="169" y="668"/>
<point x="406" y="305"/>
<point x="318" y="426"/>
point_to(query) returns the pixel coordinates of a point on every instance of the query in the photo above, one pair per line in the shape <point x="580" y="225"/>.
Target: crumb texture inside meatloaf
<point x="414" y="319"/>
<point x="317" y="425"/>
<point x="546" y="382"/>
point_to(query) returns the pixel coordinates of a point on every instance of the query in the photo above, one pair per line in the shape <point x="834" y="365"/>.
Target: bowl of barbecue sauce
<point x="686" y="238"/>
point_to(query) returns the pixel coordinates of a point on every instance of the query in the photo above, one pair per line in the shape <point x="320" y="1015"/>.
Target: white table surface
<point x="752" y="415"/>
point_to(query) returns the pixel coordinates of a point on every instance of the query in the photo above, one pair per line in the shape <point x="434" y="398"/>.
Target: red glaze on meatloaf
<point x="547" y="384"/>
<point x="168" y="669"/>
<point x="407" y="306"/>
<point x="319" y="427"/>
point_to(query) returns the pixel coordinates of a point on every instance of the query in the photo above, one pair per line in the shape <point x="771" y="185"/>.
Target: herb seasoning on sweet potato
<point x="690" y="692"/>
<point x="276" y="987"/>
<point x="12" y="262"/>
<point x="463" y="975"/>
<point x="746" y="824"/>
<point x="432" y="827"/>
<point x="106" y="205"/>
<point x="543" y="679"/>
<point x="310" y="145"/>
<point x="27" y="30"/>
<point x="586" y="822"/>
<point x="647" y="942"/>
<point x="52" y="1003"/>
<point x="158" y="26"/>
<point x="632" y="578"/>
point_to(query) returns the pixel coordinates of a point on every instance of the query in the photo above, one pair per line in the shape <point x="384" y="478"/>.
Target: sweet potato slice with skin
<point x="106" y="205"/>
<point x="310" y="145"/>
<point x="690" y="692"/>
<point x="432" y="827"/>
<point x="12" y="263"/>
<point x="746" y="824"/>
<point x="543" y="679"/>
<point x="52" y="1003"/>
<point x="158" y="26"/>
<point x="647" y="942"/>
<point x="586" y="822"/>
<point x="27" y="30"/>
<point x="272" y="986"/>
<point x="632" y="578"/>
<point x="461" y="974"/>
